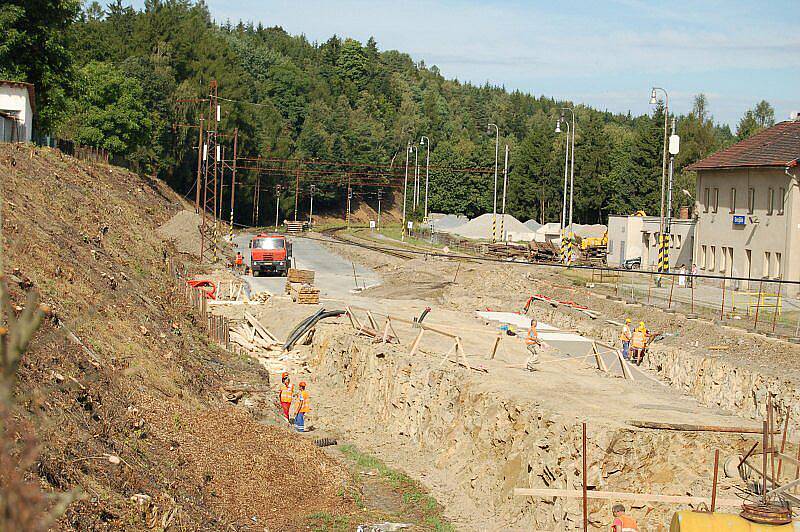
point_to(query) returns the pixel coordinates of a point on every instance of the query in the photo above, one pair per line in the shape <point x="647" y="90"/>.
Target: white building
<point x="636" y="237"/>
<point x="16" y="111"/>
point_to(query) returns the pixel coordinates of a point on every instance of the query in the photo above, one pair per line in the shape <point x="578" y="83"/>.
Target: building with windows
<point x="748" y="207"/>
<point x="636" y="237"/>
<point x="16" y="111"/>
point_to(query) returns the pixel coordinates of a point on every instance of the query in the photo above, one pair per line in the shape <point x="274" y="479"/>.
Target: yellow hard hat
<point x="641" y="324"/>
<point x="627" y="320"/>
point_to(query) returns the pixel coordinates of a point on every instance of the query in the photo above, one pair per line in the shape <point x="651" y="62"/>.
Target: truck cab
<point x="270" y="253"/>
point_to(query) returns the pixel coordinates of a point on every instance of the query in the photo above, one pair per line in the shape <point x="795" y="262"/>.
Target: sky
<point x="603" y="53"/>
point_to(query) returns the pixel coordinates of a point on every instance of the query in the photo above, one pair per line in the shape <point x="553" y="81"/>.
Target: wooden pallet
<point x="304" y="294"/>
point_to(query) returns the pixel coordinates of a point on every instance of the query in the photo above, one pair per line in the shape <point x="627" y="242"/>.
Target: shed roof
<point x="22" y="85"/>
<point x="778" y="146"/>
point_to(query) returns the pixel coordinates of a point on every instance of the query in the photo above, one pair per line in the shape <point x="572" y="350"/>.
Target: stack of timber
<point x="294" y="227"/>
<point x="300" y="285"/>
<point x="300" y="276"/>
<point x="509" y="250"/>
<point x="254" y="337"/>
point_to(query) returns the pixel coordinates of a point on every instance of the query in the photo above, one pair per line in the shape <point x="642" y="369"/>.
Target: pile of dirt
<point x="183" y="230"/>
<point x="532" y="225"/>
<point x="482" y="226"/>
<point x="447" y="222"/>
<point x="119" y="394"/>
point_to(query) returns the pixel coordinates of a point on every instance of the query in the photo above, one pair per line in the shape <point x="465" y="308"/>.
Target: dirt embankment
<point x="474" y="442"/>
<point x="136" y="411"/>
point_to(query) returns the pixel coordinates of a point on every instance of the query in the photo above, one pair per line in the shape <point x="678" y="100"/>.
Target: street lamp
<point x="571" y="164"/>
<point x="496" y="153"/>
<point x="416" y="177"/>
<point x="425" y="141"/>
<point x="654" y="101"/>
<point x="566" y="173"/>
<point x="405" y="190"/>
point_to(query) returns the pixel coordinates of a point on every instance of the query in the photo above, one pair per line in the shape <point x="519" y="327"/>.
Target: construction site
<point x="155" y="358"/>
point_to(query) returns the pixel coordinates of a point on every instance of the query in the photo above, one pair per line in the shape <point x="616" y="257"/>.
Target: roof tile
<point x="778" y="145"/>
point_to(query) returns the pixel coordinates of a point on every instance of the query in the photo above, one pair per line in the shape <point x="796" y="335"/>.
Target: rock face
<point x="489" y="442"/>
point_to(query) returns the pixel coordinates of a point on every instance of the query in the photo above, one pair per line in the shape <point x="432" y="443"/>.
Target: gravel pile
<point x="447" y="222"/>
<point x="481" y="228"/>
<point x="183" y="230"/>
<point x="532" y="225"/>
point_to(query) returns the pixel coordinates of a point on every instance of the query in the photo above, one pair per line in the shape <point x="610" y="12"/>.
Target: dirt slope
<point x="85" y="236"/>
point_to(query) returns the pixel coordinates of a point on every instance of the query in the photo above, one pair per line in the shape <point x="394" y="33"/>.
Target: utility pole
<point x="571" y="165"/>
<point x="311" y="208"/>
<point x="296" y="190"/>
<point x="505" y="185"/>
<point x="416" y="178"/>
<point x="200" y="159"/>
<point x="427" y="141"/>
<point x="405" y="191"/>
<point x="233" y="177"/>
<point x="496" y="154"/>
<point x="349" y="198"/>
<point x="380" y="191"/>
<point x="277" y="204"/>
<point x="564" y="249"/>
<point x="674" y="148"/>
<point x="662" y="252"/>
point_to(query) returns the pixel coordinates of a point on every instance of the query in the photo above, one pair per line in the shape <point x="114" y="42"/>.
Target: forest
<point x="109" y="76"/>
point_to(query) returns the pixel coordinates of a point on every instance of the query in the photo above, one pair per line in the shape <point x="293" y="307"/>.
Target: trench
<point x="481" y="442"/>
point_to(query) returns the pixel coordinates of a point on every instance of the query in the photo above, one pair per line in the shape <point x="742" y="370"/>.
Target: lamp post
<point x="277" y="204"/>
<point x="496" y="153"/>
<point x="503" y="207"/>
<point x="415" y="201"/>
<point x="311" y="207"/>
<point x="425" y="141"/>
<point x="571" y="165"/>
<point x="566" y="175"/>
<point x="662" y="222"/>
<point x="405" y="191"/>
<point x="653" y="101"/>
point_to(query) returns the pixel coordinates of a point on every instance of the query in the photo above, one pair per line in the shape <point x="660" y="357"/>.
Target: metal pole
<point x="427" y="171"/>
<point x="311" y="208"/>
<point x="764" y="445"/>
<point x="296" y="189"/>
<point x="664" y="148"/>
<point x="405" y="191"/>
<point x="572" y="171"/>
<point x="416" y="178"/>
<point x="200" y="156"/>
<point x="496" y="155"/>
<point x="380" y="191"/>
<point x="503" y="209"/>
<point x="233" y="176"/>
<point x="722" y="307"/>
<point x="714" y="485"/>
<point x="277" y="204"/>
<point x="758" y="307"/>
<point x="585" y="481"/>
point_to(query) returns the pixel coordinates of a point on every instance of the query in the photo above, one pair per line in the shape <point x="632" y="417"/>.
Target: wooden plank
<point x="787" y="458"/>
<point x="415" y="345"/>
<point x="693" y="428"/>
<point x="781" y="489"/>
<point x="601" y="364"/>
<point x="623" y="496"/>
<point x="260" y="328"/>
<point x="494" y="347"/>
<point x="626" y="371"/>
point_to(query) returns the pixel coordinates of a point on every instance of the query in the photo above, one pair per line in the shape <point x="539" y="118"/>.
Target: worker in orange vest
<point x="531" y="343"/>
<point x="239" y="260"/>
<point x="285" y="394"/>
<point x="625" y="338"/>
<point x="639" y="343"/>
<point x="622" y="522"/>
<point x="303" y="408"/>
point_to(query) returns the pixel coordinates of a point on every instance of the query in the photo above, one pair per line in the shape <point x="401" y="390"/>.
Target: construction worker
<point x="639" y="343"/>
<point x="622" y="522"/>
<point x="531" y="343"/>
<point x="625" y="338"/>
<point x="285" y="394"/>
<point x="303" y="408"/>
<point x="239" y="261"/>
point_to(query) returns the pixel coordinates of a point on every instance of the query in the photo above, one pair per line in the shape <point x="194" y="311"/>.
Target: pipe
<point x="307" y="324"/>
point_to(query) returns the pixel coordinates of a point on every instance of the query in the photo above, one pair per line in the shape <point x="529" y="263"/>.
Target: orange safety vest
<point x="638" y="339"/>
<point x="628" y="524"/>
<point x="625" y="335"/>
<point x="304" y="403"/>
<point x="239" y="259"/>
<point x="286" y="393"/>
<point x="533" y="336"/>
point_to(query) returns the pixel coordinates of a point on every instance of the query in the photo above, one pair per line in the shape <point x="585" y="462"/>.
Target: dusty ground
<point x="386" y="410"/>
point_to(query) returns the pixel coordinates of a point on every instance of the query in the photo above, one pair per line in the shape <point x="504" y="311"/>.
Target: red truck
<point x="270" y="253"/>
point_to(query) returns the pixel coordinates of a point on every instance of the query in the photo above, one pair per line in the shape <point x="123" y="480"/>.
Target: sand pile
<point x="589" y="230"/>
<point x="481" y="228"/>
<point x="183" y="230"/>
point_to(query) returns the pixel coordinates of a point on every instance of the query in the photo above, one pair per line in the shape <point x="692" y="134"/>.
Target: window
<point x="751" y="200"/>
<point x="733" y="201"/>
<point x="770" y="201"/>
<point x="723" y="259"/>
<point x="677" y="241"/>
<point x="702" y="256"/>
<point x="730" y="261"/>
<point x="765" y="267"/>
<point x="716" y="200"/>
<point x="712" y="259"/>
<point x="781" y="196"/>
<point x="778" y="272"/>
<point x="706" y="198"/>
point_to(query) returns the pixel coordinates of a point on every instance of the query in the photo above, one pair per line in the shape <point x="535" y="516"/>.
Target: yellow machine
<point x="688" y="521"/>
<point x="594" y="242"/>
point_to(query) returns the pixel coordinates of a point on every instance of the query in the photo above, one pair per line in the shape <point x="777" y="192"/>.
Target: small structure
<point x="16" y="111"/>
<point x="748" y="207"/>
<point x="636" y="237"/>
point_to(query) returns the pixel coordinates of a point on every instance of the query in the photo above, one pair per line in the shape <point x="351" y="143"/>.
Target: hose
<point x="424" y="313"/>
<point x="307" y="323"/>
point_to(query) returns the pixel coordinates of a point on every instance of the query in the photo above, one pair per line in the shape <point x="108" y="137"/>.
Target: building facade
<point x="748" y="207"/>
<point x="636" y="237"/>
<point x="16" y="111"/>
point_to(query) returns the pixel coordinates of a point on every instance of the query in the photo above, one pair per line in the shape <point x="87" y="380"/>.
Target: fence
<point x="769" y="306"/>
<point x="217" y="327"/>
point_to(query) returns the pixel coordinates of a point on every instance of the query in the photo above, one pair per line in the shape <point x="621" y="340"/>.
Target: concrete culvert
<point x="325" y="442"/>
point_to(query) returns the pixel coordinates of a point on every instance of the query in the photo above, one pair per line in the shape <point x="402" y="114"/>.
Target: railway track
<point x="333" y="233"/>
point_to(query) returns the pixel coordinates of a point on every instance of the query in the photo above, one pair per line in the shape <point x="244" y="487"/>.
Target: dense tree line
<point x="109" y="77"/>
